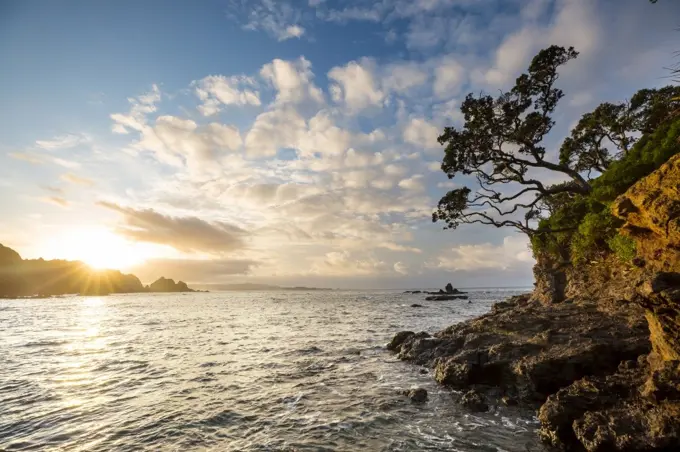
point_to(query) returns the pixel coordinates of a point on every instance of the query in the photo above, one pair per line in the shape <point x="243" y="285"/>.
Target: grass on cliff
<point x="590" y="228"/>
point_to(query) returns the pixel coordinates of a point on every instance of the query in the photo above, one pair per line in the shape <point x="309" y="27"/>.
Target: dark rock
<point x="417" y="395"/>
<point x="399" y="339"/>
<point x="446" y="297"/>
<point x="509" y="401"/>
<point x="449" y="288"/>
<point x="474" y="401"/>
<point x="424" y="371"/>
<point x="168" y="285"/>
<point x="416" y="305"/>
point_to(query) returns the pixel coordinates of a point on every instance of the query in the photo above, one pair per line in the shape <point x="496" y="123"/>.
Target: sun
<point x="100" y="248"/>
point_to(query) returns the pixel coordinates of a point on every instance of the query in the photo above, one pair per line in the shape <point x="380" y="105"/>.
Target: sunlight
<point x="100" y="248"/>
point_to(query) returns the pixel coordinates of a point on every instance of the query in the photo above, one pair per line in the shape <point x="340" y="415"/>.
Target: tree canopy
<point x="501" y="145"/>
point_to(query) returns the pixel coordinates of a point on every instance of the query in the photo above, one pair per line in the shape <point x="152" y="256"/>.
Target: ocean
<point x="235" y="371"/>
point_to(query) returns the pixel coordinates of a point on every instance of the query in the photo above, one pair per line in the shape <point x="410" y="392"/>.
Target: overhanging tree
<point x="501" y="146"/>
<point x="500" y="143"/>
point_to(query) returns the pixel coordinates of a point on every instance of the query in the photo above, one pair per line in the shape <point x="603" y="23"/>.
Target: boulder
<point x="474" y="401"/>
<point x="399" y="339"/>
<point x="417" y="395"/>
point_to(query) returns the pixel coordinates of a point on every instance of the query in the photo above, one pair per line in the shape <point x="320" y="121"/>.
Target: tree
<point x="500" y="143"/>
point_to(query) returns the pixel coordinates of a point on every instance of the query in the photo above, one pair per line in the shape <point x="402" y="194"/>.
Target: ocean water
<point x="234" y="371"/>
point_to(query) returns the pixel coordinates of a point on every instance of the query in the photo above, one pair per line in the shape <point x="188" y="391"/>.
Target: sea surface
<point x="235" y="371"/>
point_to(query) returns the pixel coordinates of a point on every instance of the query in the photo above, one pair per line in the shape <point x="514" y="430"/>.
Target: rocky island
<point x="595" y="348"/>
<point x="43" y="278"/>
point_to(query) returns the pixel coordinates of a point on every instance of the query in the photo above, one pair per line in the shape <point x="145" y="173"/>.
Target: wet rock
<point x="399" y="339"/>
<point x="509" y="401"/>
<point x="424" y="371"/>
<point x="416" y="305"/>
<point x="474" y="401"/>
<point x="417" y="395"/>
<point x="446" y="297"/>
<point x="418" y="348"/>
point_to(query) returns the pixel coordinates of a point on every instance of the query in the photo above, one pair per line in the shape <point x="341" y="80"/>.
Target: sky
<point x="283" y="142"/>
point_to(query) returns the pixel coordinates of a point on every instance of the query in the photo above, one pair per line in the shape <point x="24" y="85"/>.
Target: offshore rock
<point x="446" y="297"/>
<point x="417" y="395"/>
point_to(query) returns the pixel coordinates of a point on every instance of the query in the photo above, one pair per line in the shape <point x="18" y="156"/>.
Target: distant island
<point x="21" y="278"/>
<point x="255" y="286"/>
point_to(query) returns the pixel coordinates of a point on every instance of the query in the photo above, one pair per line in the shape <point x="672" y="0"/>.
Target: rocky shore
<point x="595" y="349"/>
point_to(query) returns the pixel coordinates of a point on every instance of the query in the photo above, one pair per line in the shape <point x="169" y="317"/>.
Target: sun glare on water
<point x="100" y="249"/>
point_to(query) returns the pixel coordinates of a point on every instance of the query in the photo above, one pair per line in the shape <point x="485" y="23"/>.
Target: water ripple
<point x="236" y="372"/>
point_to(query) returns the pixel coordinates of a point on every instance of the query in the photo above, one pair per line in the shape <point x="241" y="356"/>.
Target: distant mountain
<point x="38" y="277"/>
<point x="253" y="286"/>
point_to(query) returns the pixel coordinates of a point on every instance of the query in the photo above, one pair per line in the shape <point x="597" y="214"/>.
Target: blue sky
<point x="287" y="142"/>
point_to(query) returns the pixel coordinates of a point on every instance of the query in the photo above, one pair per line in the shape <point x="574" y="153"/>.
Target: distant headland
<point x="21" y="278"/>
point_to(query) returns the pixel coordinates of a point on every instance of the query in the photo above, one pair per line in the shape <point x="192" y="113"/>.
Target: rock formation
<point x="168" y="285"/>
<point x="596" y="347"/>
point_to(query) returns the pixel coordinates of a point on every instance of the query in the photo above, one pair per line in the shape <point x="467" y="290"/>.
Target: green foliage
<point x="623" y="246"/>
<point x="594" y="229"/>
<point x="649" y="153"/>
<point x="593" y="234"/>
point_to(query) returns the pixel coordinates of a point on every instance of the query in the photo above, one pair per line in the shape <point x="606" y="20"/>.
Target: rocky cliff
<point x="596" y="347"/>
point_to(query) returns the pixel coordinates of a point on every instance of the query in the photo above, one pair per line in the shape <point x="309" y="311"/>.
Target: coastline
<point x="595" y="348"/>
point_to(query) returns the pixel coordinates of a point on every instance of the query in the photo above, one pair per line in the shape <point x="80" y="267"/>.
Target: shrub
<point x="623" y="246"/>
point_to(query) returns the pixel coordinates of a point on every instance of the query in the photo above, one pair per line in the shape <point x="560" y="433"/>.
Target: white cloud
<point x="277" y="18"/>
<point x="62" y="142"/>
<point x="291" y="31"/>
<point x="355" y="85"/>
<point x="217" y="90"/>
<point x="449" y="76"/>
<point x="420" y="132"/>
<point x="141" y="106"/>
<point x="293" y="80"/>
<point x="274" y="130"/>
<point x="403" y="77"/>
<point x="413" y="183"/>
<point x="175" y="140"/>
<point x="514" y="251"/>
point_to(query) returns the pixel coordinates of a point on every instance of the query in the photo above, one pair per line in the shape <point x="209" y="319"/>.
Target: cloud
<point x="55" y="190"/>
<point x="140" y="107"/>
<point x="355" y="85"/>
<point x="62" y="142"/>
<point x="514" y="251"/>
<point x="273" y="130"/>
<point x="422" y="133"/>
<point x="193" y="270"/>
<point x="215" y="91"/>
<point x="57" y="201"/>
<point x="343" y="263"/>
<point x="401" y="268"/>
<point x="39" y="159"/>
<point x="292" y="80"/>
<point x="403" y="77"/>
<point x="27" y="157"/>
<point x="187" y="234"/>
<point x="175" y="140"/>
<point x="277" y="18"/>
<point x="75" y="179"/>
<point x="449" y="77"/>
<point x="413" y="183"/>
